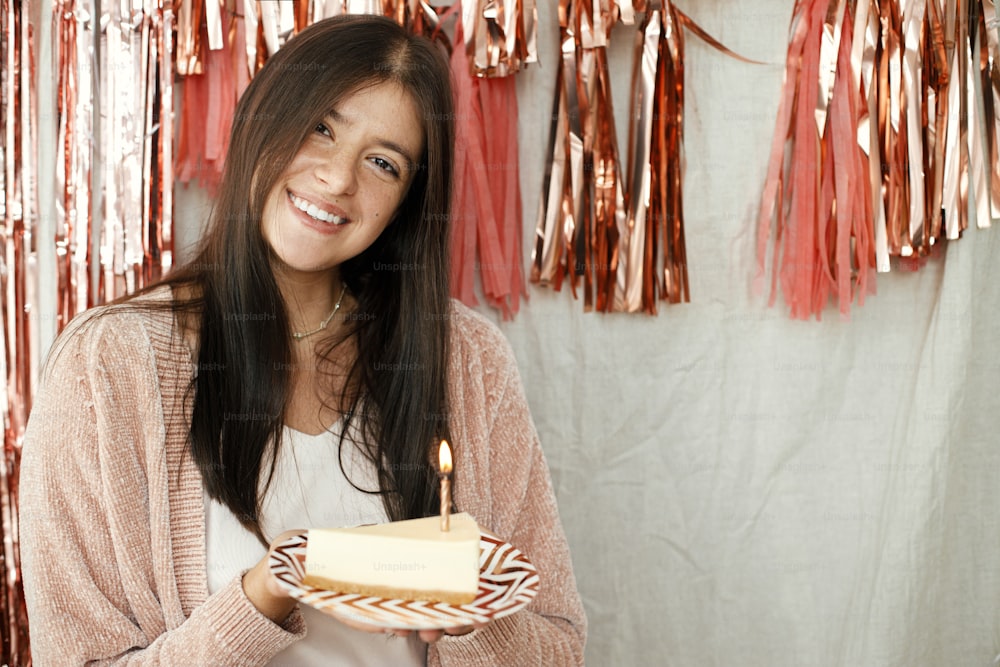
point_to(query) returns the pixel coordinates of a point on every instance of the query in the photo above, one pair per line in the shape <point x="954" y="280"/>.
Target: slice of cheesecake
<point x="404" y="560"/>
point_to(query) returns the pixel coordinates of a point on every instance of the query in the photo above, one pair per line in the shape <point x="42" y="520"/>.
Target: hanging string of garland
<point x="135" y="91"/>
<point x="486" y="206"/>
<point x="73" y="36"/>
<point x="113" y="181"/>
<point x="618" y="229"/>
<point x="887" y="122"/>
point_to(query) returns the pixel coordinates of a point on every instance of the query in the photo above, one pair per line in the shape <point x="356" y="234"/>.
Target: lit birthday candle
<point x="444" y="459"/>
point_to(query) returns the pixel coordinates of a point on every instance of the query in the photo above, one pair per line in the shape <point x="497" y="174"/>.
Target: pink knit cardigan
<point x="113" y="523"/>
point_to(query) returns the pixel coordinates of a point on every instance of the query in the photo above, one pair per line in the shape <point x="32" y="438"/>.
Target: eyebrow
<point x="339" y="118"/>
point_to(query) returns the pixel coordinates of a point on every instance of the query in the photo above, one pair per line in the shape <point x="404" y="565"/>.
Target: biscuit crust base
<point x="388" y="592"/>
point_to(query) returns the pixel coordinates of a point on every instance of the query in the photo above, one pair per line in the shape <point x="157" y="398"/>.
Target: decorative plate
<point x="507" y="582"/>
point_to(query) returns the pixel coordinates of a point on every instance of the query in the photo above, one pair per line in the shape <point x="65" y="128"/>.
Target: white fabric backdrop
<point x="742" y="489"/>
<point x="739" y="488"/>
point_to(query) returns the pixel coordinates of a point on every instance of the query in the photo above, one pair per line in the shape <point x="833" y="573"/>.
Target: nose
<point x="338" y="175"/>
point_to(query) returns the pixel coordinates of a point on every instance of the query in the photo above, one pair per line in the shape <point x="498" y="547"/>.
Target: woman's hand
<point x="431" y="636"/>
<point x="428" y="636"/>
<point x="263" y="590"/>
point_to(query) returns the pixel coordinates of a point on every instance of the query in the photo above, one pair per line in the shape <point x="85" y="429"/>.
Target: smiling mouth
<point x="315" y="212"/>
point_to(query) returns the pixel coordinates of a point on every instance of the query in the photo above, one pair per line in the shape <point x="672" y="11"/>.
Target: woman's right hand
<point x="263" y="590"/>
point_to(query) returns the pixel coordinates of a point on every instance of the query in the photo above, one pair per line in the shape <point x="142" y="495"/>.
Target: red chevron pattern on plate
<point x="507" y="582"/>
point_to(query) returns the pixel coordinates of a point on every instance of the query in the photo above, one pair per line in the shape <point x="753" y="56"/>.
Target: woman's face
<point x="343" y="187"/>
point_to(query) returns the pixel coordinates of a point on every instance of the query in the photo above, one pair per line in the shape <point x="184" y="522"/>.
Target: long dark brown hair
<point x="396" y="389"/>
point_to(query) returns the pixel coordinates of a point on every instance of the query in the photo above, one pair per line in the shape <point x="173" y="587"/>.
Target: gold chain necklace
<point x="299" y="335"/>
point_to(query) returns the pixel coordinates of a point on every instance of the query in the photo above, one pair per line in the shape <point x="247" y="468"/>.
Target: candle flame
<point x="444" y="457"/>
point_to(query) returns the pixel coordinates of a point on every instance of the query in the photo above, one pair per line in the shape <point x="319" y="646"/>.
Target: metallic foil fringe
<point x="119" y="110"/>
<point x="74" y="42"/>
<point x="617" y="228"/>
<point x="135" y="94"/>
<point x="221" y="46"/>
<point x="500" y="36"/>
<point x="19" y="293"/>
<point x="887" y="124"/>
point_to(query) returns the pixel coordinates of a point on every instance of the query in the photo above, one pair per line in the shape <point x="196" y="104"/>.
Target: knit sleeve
<point x="521" y="508"/>
<point x="97" y="572"/>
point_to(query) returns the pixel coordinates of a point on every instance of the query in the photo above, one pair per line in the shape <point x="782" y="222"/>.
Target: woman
<point x="296" y="373"/>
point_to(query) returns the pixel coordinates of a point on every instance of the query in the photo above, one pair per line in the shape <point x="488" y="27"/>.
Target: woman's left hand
<point x="431" y="636"/>
<point x="428" y="636"/>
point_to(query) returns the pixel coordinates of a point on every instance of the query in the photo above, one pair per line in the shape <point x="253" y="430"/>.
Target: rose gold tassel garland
<point x="586" y="227"/>
<point x="887" y="125"/>
<point x="616" y="228"/>
<point x="486" y="205"/>
<point x="135" y="94"/>
<point x="73" y="32"/>
<point x="582" y="222"/>
<point x="500" y="35"/>
<point x="18" y="290"/>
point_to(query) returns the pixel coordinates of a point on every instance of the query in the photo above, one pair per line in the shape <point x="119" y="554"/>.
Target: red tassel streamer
<point x="882" y="136"/>
<point x="486" y="204"/>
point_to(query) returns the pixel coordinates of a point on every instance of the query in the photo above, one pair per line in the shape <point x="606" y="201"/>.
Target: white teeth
<point x="315" y="212"/>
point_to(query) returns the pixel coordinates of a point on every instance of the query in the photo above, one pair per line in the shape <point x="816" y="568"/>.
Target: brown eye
<point x="385" y="165"/>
